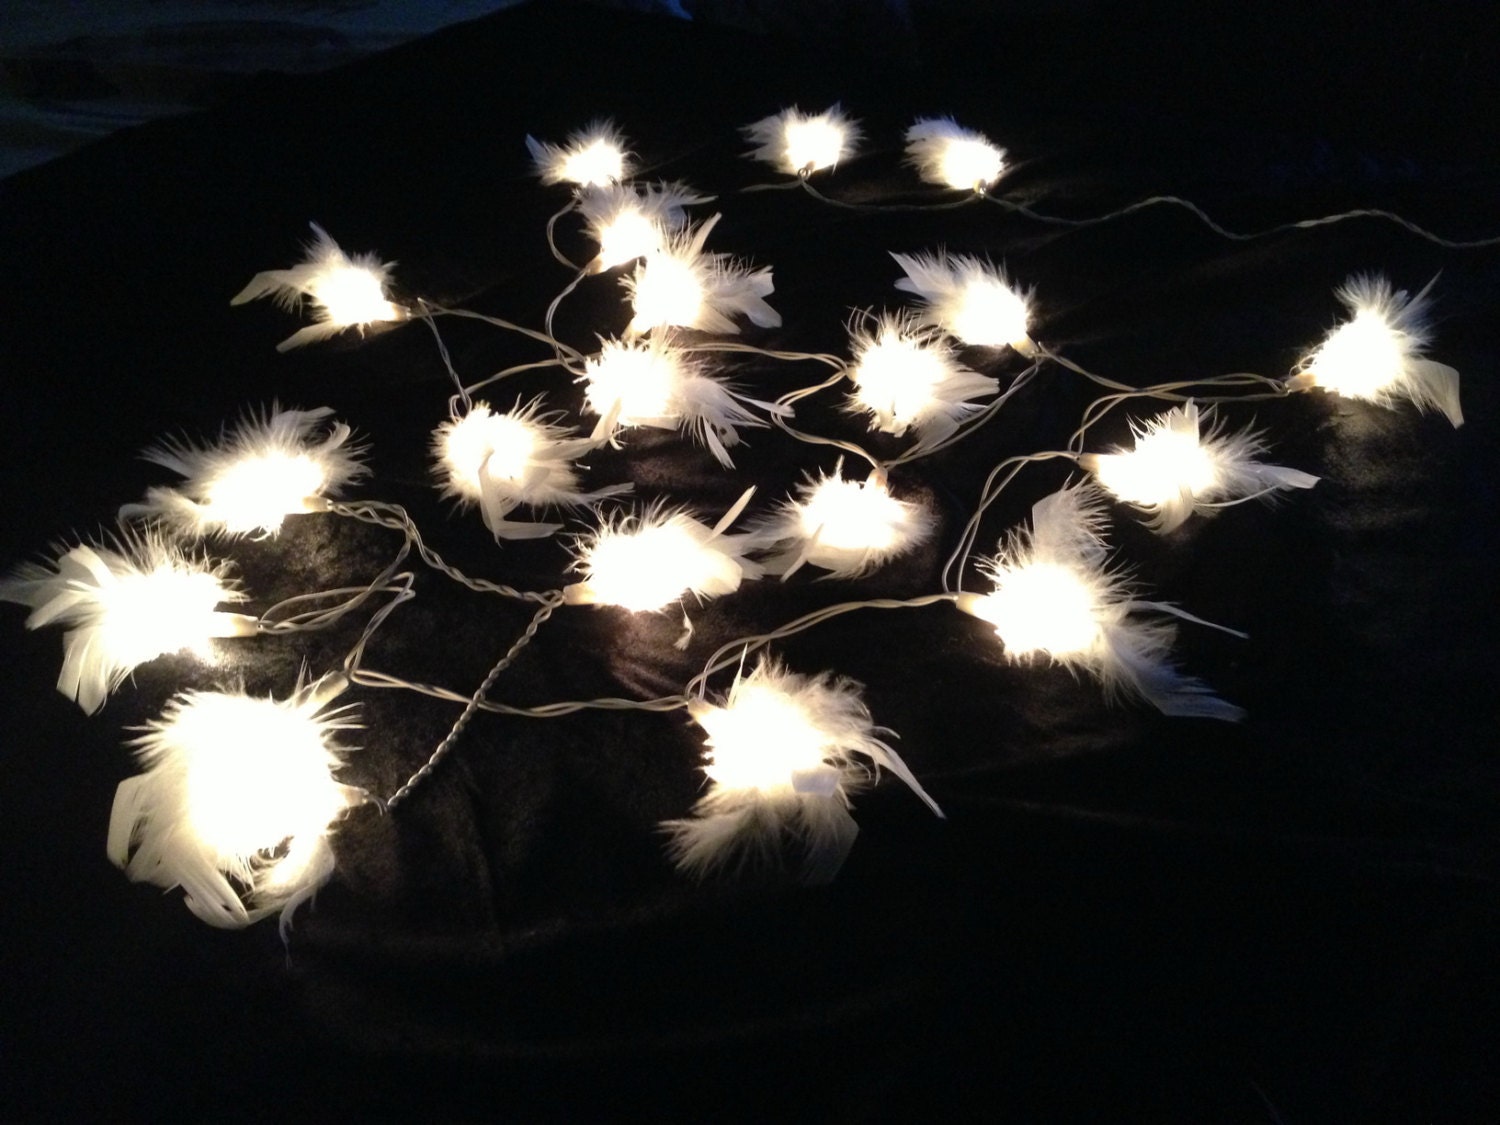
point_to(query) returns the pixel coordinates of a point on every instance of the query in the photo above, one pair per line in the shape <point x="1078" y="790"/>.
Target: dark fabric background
<point x="1124" y="917"/>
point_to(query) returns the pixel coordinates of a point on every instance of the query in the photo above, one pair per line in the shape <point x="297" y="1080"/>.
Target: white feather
<point x="784" y="754"/>
<point x="968" y="298"/>
<point x="501" y="461"/>
<point x="1378" y="354"/>
<point x="1176" y="470"/>
<point x="1055" y="598"/>
<point x="236" y="801"/>
<point x="803" y="143"/>
<point x="629" y="221"/>
<point x="268" y="466"/>
<point x="125" y="606"/>
<point x="845" y="527"/>
<point x="907" y="377"/>
<point x="344" y="291"/>
<point x="945" y="153"/>
<point x="683" y="286"/>
<point x="592" y="156"/>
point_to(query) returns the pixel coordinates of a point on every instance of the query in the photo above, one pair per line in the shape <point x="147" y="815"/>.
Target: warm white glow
<point x="764" y="739"/>
<point x="629" y="235"/>
<point x="126" y="607"/>
<point x="269" y="466"/>
<point x="801" y="143"/>
<point x="1164" y="464"/>
<point x="483" y="442"/>
<point x="592" y="156"/>
<point x="629" y="221"/>
<point x="1363" y="358"/>
<point x="350" y="295"/>
<point x="684" y="286"/>
<point x="668" y="290"/>
<point x="906" y="376"/>
<point x="633" y="383"/>
<point x="1042" y="608"/>
<point x="946" y="154"/>
<point x="968" y="298"/>
<point x="843" y="526"/>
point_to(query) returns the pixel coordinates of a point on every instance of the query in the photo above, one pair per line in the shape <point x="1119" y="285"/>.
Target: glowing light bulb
<point x="630" y="222"/>
<point x="682" y="286"/>
<point x="846" y="527"/>
<point x="801" y="143"/>
<point x="946" y="154"/>
<point x="907" y="377"/>
<point x="593" y="156"/>
<point x="968" y="298"/>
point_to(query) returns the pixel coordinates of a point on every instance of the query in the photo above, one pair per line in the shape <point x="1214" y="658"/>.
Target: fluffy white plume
<point x="629" y="222"/>
<point x="653" y="559"/>
<point x="784" y="753"/>
<point x="501" y="461"/>
<point x="683" y="286"/>
<point x="1055" y="598"/>
<point x="124" y="606"/>
<point x="1175" y="469"/>
<point x="969" y="298"/>
<point x="1378" y="354"/>
<point x="652" y="384"/>
<point x="345" y="292"/>
<point x="947" y="154"/>
<point x="845" y="527"/>
<point x="268" y="466"/>
<point x="592" y="156"/>
<point x="907" y="376"/>
<point x="803" y="143"/>
<point x="236" y="801"/>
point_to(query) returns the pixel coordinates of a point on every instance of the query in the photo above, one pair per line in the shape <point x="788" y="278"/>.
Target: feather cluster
<point x="501" y="461"/>
<point x="652" y="384"/>
<point x="236" y="802"/>
<point x="591" y="157"/>
<point x="845" y="527"/>
<point x="268" y="466"/>
<point x="653" y="559"/>
<point x="123" y="607"/>
<point x="907" y="377"/>
<point x="784" y="754"/>
<point x="1378" y="354"/>
<point x="1176" y="470"/>
<point x="1055" y="598"/>
<point x="629" y="222"/>
<point x="344" y="292"/>
<point x="945" y="153"/>
<point x="968" y="298"/>
<point x="803" y="143"/>
<point x="683" y="286"/>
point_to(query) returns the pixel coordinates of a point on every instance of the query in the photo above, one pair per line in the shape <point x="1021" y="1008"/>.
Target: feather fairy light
<point x="1055" y="598"/>
<point x="1176" y="470"/>
<point x="683" y="286"/>
<point x="650" y="560"/>
<point x="1377" y="355"/>
<point x="236" y="801"/>
<point x="784" y="752"/>
<point x="907" y="376"/>
<point x="501" y="461"/>
<point x="947" y="154"/>
<point x="591" y="157"/>
<point x="650" y="383"/>
<point x="845" y="527"/>
<point x="802" y="143"/>
<point x="345" y="292"/>
<point x="629" y="222"/>
<point x="124" y="606"/>
<point x="968" y="298"/>
<point x="270" y="465"/>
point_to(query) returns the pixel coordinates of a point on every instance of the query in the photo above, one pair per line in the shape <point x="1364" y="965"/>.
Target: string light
<point x="947" y="154"/>
<point x="845" y="527"/>
<point x="802" y="143"/>
<point x="968" y="298"/>
<point x="629" y="222"/>
<point x="682" y="286"/>
<point x="592" y="157"/>
<point x="236" y="801"/>
<point x="345" y="292"/>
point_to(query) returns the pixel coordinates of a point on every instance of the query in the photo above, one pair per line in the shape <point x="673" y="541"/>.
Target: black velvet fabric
<point x="1123" y="917"/>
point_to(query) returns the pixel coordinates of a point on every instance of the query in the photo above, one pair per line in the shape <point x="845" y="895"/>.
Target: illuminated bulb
<point x="236" y="801"/>
<point x="630" y="222"/>
<point x="801" y="143"/>
<point x="1377" y="355"/>
<point x="1174" y="470"/>
<point x="906" y="377"/>
<point x="125" y="607"/>
<point x="653" y="560"/>
<point x="501" y="461"/>
<point x="652" y="384"/>
<point x="268" y="467"/>
<point x="946" y="154"/>
<point x="592" y="157"/>
<point x="1054" y="598"/>
<point x="968" y="298"/>
<point x="845" y="527"/>
<point x="681" y="286"/>
<point x="345" y="292"/>
<point x="784" y="753"/>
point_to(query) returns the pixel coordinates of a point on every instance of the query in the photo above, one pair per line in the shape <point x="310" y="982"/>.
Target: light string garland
<point x="238" y="796"/>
